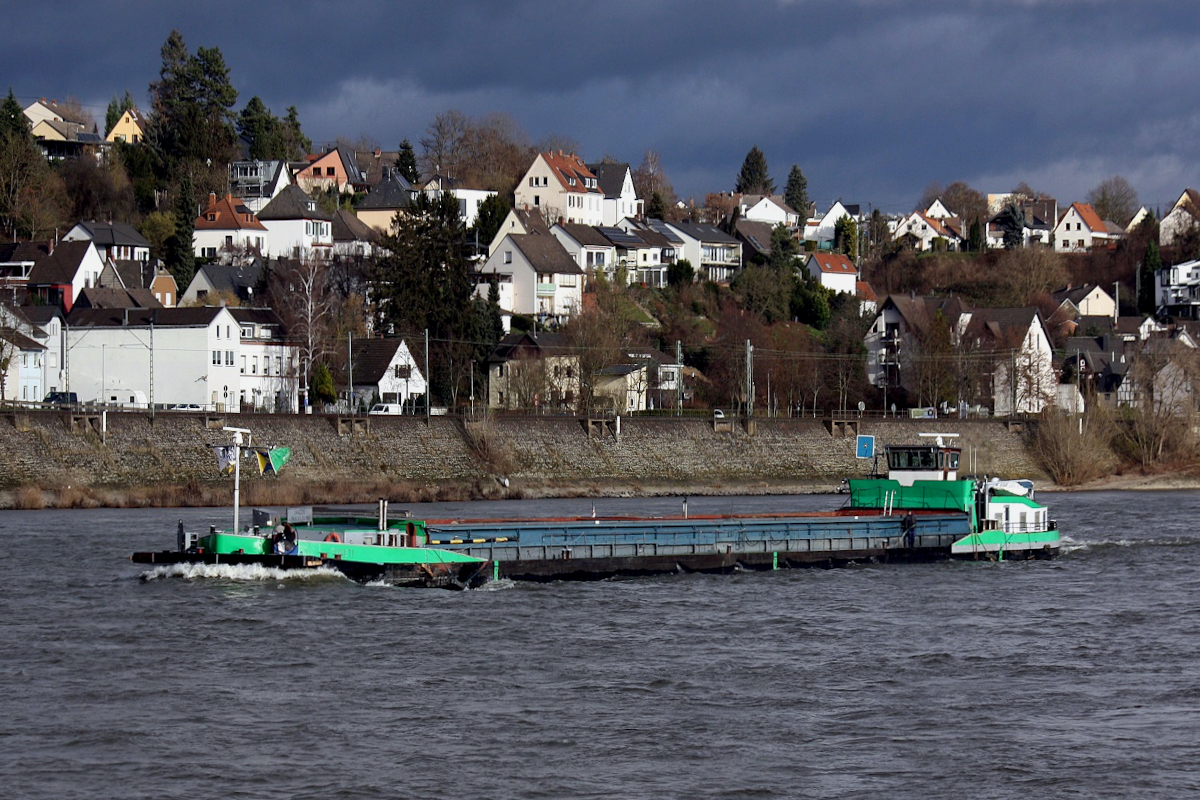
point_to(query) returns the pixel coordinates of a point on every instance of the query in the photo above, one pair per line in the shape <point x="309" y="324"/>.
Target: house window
<point x="508" y="256"/>
<point x="216" y="358"/>
<point x="243" y="368"/>
<point x="567" y="281"/>
<point x="403" y="371"/>
<point x="537" y="199"/>
<point x="329" y="171"/>
<point x="229" y="241"/>
<point x="254" y="366"/>
<point x="248" y="332"/>
<point x="278" y="365"/>
<point x="229" y="358"/>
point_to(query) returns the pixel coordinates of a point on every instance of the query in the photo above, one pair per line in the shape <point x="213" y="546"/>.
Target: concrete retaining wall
<point x="44" y="448"/>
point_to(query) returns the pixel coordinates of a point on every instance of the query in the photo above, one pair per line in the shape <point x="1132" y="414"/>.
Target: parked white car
<point x="388" y="409"/>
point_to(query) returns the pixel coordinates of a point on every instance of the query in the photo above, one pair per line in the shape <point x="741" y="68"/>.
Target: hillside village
<point x="195" y="258"/>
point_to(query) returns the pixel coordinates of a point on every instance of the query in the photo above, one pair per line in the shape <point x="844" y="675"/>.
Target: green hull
<point x="999" y="541"/>
<point x="230" y="543"/>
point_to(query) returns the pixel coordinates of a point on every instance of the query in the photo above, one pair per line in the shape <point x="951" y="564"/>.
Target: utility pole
<point x="152" y="315"/>
<point x="428" y="394"/>
<point x="679" y="377"/>
<point x="749" y="379"/>
<point x="350" y="369"/>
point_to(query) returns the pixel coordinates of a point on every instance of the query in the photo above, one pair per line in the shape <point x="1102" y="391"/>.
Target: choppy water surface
<point x="1072" y="678"/>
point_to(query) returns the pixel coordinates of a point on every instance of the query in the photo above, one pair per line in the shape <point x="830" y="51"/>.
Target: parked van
<point x="386" y="408"/>
<point x="62" y="399"/>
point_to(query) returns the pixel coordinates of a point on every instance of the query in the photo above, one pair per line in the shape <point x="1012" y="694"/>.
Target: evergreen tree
<point x="488" y="220"/>
<point x="406" y="163"/>
<point x="681" y="273"/>
<point x="796" y="193"/>
<point x="754" y="177"/>
<point x="845" y="237"/>
<point x="191" y="116"/>
<point x="322" y="384"/>
<point x="656" y="208"/>
<point x="12" y="116"/>
<point x="181" y="255"/>
<point x="116" y="108"/>
<point x="975" y="241"/>
<point x="1147" y="278"/>
<point x="1012" y="222"/>
<point x="262" y="129"/>
<point x="784" y="250"/>
<point x="425" y="281"/>
<point x="298" y="145"/>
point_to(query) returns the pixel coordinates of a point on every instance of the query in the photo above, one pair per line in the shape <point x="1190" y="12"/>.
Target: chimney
<point x="212" y="198"/>
<point x="378" y="152"/>
<point x="50" y="247"/>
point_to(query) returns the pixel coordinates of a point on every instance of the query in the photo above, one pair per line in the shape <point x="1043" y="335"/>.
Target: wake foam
<point x="240" y="572"/>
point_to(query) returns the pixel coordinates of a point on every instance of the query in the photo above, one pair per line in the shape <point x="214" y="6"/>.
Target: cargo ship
<point x="919" y="510"/>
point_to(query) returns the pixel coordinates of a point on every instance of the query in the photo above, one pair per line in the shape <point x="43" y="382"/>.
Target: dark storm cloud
<point x="873" y="99"/>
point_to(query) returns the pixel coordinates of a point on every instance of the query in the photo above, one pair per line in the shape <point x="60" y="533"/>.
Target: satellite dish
<point x="862" y="406"/>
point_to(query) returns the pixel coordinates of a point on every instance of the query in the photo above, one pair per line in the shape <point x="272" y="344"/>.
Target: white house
<point x="385" y="371"/>
<point x="227" y="227"/>
<point x="640" y="258"/>
<point x="519" y="221"/>
<point x="1081" y="229"/>
<point x="561" y="187"/>
<point x="268" y="364"/>
<point x="296" y="226"/>
<point x="469" y="200"/>
<point x="353" y="238"/>
<point x="620" y="196"/>
<point x="1183" y="217"/>
<point x="821" y="230"/>
<point x="834" y="271"/>
<point x="922" y="231"/>
<point x="164" y="355"/>
<point x="770" y="209"/>
<point x="1017" y="339"/>
<point x="533" y="371"/>
<point x="594" y="254"/>
<point x="1177" y="290"/>
<point x="23" y="380"/>
<point x="1086" y="301"/>
<point x="115" y="241"/>
<point x="713" y="254"/>
<point x="536" y="277"/>
<point x="44" y="325"/>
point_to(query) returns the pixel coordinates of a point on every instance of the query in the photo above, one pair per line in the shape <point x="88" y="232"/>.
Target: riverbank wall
<point x="451" y="457"/>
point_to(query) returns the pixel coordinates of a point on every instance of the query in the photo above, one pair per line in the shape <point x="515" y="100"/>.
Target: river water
<point x="1076" y="677"/>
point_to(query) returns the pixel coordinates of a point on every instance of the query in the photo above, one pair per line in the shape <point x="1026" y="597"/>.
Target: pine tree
<point x="181" y="255"/>
<point x="796" y="193"/>
<point x="406" y="162"/>
<point x="845" y="237"/>
<point x="116" y="108"/>
<point x="12" y="116"/>
<point x="754" y="177"/>
<point x="297" y="143"/>
<point x="975" y="236"/>
<point x="655" y="207"/>
<point x="1151" y="264"/>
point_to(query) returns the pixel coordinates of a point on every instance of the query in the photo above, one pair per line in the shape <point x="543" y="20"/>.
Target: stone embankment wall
<point x="54" y="450"/>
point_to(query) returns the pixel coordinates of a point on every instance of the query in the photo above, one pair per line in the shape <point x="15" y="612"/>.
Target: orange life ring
<point x="333" y="537"/>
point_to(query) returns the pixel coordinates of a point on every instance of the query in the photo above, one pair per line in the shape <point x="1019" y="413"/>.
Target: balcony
<point x="546" y="289"/>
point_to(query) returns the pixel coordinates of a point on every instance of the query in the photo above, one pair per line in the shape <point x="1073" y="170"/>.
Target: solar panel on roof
<point x="621" y="238"/>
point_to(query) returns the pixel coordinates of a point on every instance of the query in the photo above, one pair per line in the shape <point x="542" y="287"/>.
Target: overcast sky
<point x="873" y="99"/>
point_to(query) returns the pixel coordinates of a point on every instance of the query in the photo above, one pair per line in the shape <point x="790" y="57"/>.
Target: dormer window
<point x="570" y="181"/>
<point x="211" y="217"/>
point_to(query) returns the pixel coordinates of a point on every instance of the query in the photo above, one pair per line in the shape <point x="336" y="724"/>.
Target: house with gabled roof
<point x="821" y="230"/>
<point x="1023" y="380"/>
<point x="21" y="357"/>
<point x="44" y="325"/>
<point x="1081" y="229"/>
<point x="620" y="195"/>
<point x="116" y="297"/>
<point x="561" y="188"/>
<point x="655" y="233"/>
<point x="1084" y="301"/>
<point x="519" y="220"/>
<point x="535" y="371"/>
<point x="296" y="226"/>
<point x="714" y="254"/>
<point x="639" y="258"/>
<point x="1184" y="217"/>
<point x="385" y="371"/>
<point x="353" y="238"/>
<point x="755" y="237"/>
<point x="115" y="241"/>
<point x="268" y="362"/>
<point x="333" y="169"/>
<point x="594" y="254"/>
<point x="834" y="271"/>
<point x="227" y="228"/>
<point x="868" y="302"/>
<point x="237" y="280"/>
<point x="770" y="209"/>
<point x="902" y="323"/>
<point x="130" y="128"/>
<point x="923" y="232"/>
<point x="378" y="209"/>
<point x="536" y="277"/>
<point x="61" y="140"/>
<point x="55" y="273"/>
<point x="469" y="198"/>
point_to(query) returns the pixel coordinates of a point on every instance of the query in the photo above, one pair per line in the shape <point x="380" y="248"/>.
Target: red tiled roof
<point x="569" y="167"/>
<point x="1090" y="217"/>
<point x="228" y="213"/>
<point x="834" y="263"/>
<point x="865" y="292"/>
